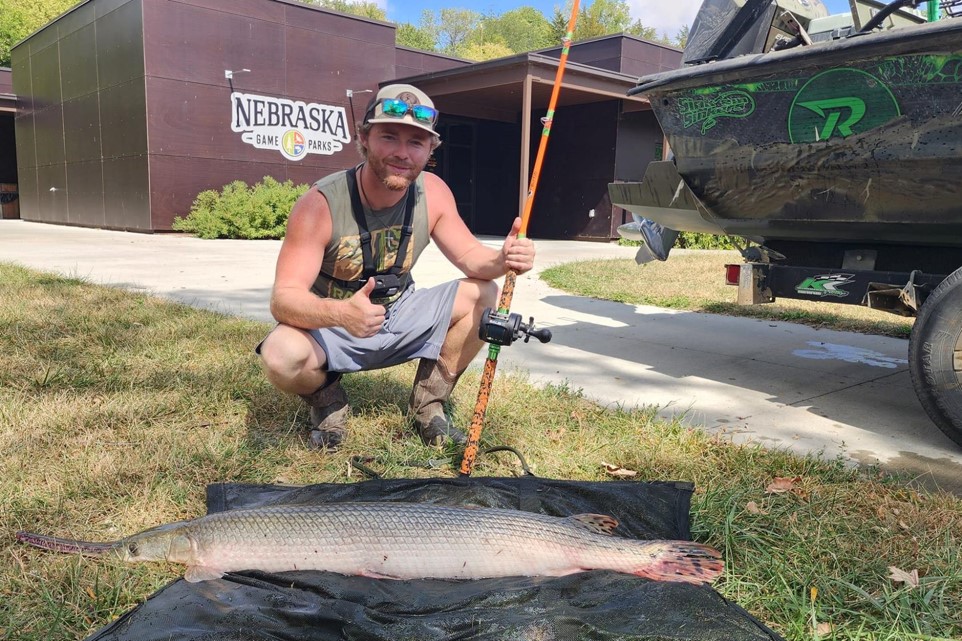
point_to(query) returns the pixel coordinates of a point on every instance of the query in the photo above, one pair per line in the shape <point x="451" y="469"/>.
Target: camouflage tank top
<point x="342" y="256"/>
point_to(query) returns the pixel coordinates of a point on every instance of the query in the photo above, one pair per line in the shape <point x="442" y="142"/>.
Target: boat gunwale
<point x="908" y="40"/>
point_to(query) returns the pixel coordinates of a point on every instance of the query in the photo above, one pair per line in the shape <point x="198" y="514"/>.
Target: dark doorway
<point x="9" y="196"/>
<point x="479" y="159"/>
<point x="456" y="164"/>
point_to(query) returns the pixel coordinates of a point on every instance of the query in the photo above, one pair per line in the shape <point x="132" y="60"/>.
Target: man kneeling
<point x="343" y="294"/>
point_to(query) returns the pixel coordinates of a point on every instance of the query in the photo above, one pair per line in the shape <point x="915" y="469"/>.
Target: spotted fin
<point x="681" y="561"/>
<point x="597" y="523"/>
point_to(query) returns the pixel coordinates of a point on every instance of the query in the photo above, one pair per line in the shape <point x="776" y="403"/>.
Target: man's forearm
<point x="483" y="263"/>
<point x="305" y="309"/>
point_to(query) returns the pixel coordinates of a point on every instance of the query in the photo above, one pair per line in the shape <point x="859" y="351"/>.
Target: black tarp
<point x="319" y="606"/>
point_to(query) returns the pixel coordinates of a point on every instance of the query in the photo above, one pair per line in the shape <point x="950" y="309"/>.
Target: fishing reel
<point x="503" y="329"/>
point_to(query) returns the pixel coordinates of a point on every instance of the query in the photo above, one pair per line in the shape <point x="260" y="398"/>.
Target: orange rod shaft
<point x="549" y="117"/>
<point x="507" y="291"/>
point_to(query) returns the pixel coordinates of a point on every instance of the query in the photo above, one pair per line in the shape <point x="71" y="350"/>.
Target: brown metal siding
<point x="86" y="65"/>
<point x="410" y="62"/>
<point x="293" y="52"/>
<point x="129" y="207"/>
<point x="623" y="54"/>
<point x="120" y="44"/>
<point x="23" y="131"/>
<point x="604" y="53"/>
<point x="6" y="81"/>
<point x="79" y="76"/>
<point x="641" y="58"/>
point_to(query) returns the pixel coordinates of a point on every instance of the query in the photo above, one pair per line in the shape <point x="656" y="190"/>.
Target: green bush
<point x="242" y="211"/>
<point x="691" y="240"/>
<point x="695" y="240"/>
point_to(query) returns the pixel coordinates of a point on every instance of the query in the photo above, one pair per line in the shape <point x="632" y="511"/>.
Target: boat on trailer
<point x="832" y="145"/>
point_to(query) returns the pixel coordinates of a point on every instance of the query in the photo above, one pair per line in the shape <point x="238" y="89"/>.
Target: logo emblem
<point x="839" y="103"/>
<point x="408" y="97"/>
<point x="293" y="128"/>
<point x="708" y="109"/>
<point x="293" y="145"/>
<point x="825" y="285"/>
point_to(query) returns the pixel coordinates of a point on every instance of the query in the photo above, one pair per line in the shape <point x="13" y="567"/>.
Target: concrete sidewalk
<point x="782" y="384"/>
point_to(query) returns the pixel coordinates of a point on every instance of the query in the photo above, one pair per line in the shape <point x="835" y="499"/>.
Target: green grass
<point x="695" y="281"/>
<point x="117" y="409"/>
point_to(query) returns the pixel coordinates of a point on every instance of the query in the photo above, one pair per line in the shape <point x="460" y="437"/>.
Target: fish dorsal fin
<point x="598" y="523"/>
<point x="198" y="573"/>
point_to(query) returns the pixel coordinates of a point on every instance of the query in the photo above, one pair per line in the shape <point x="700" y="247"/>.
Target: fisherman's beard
<point x="391" y="180"/>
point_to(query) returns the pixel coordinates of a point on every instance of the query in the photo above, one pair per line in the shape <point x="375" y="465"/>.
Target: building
<point x="126" y="109"/>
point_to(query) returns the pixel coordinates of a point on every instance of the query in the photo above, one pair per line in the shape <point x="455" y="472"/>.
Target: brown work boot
<point x="432" y="387"/>
<point x="329" y="412"/>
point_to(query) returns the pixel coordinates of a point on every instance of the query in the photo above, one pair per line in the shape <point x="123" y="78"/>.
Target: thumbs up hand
<point x="361" y="317"/>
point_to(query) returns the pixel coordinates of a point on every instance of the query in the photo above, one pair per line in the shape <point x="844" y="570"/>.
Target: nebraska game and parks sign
<point x="293" y="128"/>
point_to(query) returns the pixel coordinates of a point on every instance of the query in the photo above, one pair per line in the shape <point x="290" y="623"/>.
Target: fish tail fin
<point x="682" y="561"/>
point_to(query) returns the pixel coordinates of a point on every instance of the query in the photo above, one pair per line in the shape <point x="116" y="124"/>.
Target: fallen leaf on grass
<point x="784" y="484"/>
<point x="555" y="435"/>
<point x="752" y="507"/>
<point x="824" y="628"/>
<point x="617" y="470"/>
<point x="901" y="576"/>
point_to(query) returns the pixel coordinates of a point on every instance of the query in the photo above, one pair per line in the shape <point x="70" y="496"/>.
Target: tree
<point x="640" y="30"/>
<point x="361" y="8"/>
<point x="681" y="38"/>
<point x="602" y="17"/>
<point x="20" y="18"/>
<point x="488" y="50"/>
<point x="521" y="29"/>
<point x="599" y="18"/>
<point x="453" y="27"/>
<point x="414" y="37"/>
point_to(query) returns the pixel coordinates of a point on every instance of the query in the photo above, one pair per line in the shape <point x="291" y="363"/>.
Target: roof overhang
<point x="514" y="89"/>
<point x="495" y="90"/>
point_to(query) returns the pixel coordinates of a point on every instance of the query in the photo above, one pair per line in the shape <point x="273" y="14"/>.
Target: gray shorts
<point x="415" y="327"/>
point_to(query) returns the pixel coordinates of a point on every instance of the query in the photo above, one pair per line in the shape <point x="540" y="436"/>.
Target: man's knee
<point x="478" y="293"/>
<point x="286" y="352"/>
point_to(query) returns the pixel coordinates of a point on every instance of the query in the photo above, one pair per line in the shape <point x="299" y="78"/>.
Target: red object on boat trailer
<point x="731" y="274"/>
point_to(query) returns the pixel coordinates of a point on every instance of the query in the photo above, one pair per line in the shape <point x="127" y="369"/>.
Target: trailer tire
<point x="935" y="356"/>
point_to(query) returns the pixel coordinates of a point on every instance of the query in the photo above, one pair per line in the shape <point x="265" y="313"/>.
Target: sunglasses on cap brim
<point x="394" y="108"/>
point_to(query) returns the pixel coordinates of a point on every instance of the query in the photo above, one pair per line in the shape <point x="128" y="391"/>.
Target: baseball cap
<point x="403" y="103"/>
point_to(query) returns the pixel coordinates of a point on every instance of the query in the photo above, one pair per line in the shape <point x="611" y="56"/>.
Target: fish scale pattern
<point x="396" y="540"/>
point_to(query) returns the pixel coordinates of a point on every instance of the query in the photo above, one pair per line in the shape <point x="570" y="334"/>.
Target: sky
<point x="666" y="16"/>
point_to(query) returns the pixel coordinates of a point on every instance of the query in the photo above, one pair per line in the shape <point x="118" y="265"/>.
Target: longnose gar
<point x="401" y="541"/>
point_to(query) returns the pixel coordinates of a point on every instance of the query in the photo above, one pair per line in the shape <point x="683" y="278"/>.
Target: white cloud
<point x="666" y="17"/>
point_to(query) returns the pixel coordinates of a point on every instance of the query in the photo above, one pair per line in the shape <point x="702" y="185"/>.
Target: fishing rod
<point x="501" y="327"/>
